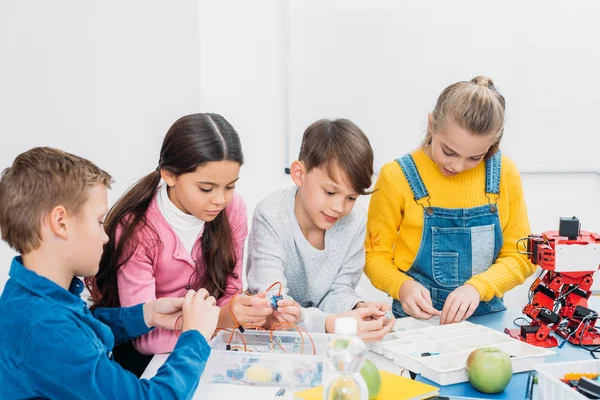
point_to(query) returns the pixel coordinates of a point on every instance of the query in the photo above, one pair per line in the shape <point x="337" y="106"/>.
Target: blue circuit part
<point x="274" y="299"/>
<point x="237" y="374"/>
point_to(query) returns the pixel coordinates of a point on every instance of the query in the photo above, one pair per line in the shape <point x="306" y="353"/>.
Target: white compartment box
<point x="266" y="363"/>
<point x="440" y="353"/>
<point x="551" y="388"/>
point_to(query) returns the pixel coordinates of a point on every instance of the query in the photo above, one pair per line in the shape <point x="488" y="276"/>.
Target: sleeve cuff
<point x="394" y="288"/>
<point x="481" y="287"/>
<point x="194" y="340"/>
<point x="133" y="321"/>
<point x="313" y="320"/>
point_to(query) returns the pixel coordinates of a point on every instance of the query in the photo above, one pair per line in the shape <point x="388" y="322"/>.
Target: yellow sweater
<point x="395" y="223"/>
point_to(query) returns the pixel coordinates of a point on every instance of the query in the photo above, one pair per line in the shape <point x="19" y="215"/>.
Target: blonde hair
<point x="476" y="106"/>
<point x="39" y="180"/>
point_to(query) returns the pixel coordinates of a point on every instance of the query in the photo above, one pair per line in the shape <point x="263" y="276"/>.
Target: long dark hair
<point x="192" y="141"/>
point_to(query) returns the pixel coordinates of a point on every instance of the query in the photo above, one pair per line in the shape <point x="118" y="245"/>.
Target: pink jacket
<point x="163" y="269"/>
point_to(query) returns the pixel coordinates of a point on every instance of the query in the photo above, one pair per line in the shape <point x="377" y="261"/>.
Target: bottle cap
<point x="346" y="326"/>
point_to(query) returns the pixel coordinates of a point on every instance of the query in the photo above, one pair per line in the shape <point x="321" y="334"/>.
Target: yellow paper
<point x="393" y="387"/>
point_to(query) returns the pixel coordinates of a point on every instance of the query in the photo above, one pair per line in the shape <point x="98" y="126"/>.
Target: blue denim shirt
<point x="52" y="346"/>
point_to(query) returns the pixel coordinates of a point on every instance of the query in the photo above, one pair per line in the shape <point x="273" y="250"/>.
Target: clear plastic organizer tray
<point x="269" y="361"/>
<point x="551" y="388"/>
<point x="440" y="352"/>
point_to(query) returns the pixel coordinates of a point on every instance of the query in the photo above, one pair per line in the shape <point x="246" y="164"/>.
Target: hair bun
<point x="483" y="81"/>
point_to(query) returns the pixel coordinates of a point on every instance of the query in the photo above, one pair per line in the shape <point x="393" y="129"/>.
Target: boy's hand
<point x="162" y="312"/>
<point x="372" y="325"/>
<point x="200" y="313"/>
<point x="287" y="311"/>
<point x="416" y="300"/>
<point x="251" y="309"/>
<point x="460" y="304"/>
<point x="383" y="307"/>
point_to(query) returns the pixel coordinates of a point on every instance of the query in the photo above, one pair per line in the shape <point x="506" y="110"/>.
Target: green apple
<point x="373" y="378"/>
<point x="489" y="369"/>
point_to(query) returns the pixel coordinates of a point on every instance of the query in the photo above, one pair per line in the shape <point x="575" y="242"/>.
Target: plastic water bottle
<point x="346" y="355"/>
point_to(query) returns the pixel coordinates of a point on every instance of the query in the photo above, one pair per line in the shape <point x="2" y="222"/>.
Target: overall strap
<point x="407" y="163"/>
<point x="493" y="167"/>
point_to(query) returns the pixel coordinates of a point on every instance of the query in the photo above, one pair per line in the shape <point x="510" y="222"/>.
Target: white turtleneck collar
<point x="186" y="226"/>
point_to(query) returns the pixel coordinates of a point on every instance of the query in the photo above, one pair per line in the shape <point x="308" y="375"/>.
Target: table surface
<point x="499" y="321"/>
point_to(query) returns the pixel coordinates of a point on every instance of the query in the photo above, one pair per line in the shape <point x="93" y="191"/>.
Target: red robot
<point x="558" y="298"/>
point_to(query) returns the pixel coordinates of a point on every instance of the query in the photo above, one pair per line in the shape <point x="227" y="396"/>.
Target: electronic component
<point x="589" y="387"/>
<point x="569" y="228"/>
<point x="274" y="298"/>
<point x="252" y="373"/>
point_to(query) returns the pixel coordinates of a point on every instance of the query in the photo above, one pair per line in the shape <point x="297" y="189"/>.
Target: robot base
<point x="550" y="341"/>
<point x="590" y="338"/>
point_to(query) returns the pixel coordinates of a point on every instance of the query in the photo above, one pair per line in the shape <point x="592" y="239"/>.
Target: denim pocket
<point x="448" y="246"/>
<point x="445" y="269"/>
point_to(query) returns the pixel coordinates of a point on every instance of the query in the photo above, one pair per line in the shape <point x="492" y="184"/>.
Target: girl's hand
<point x="288" y="311"/>
<point x="251" y="309"/>
<point x="460" y="304"/>
<point x="416" y="300"/>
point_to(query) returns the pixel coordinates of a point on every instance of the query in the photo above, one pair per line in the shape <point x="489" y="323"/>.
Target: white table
<point x="225" y="391"/>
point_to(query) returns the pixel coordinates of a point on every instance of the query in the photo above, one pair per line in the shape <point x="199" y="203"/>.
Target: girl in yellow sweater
<point x="444" y="221"/>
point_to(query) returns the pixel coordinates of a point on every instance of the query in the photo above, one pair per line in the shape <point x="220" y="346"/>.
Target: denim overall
<point x="457" y="243"/>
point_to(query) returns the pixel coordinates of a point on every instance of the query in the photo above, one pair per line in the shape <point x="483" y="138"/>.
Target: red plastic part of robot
<point x="558" y="297"/>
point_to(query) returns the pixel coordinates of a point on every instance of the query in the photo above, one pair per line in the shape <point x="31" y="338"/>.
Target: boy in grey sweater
<point x="311" y="238"/>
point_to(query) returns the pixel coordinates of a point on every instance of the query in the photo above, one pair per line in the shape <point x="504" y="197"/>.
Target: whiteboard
<point x="383" y="64"/>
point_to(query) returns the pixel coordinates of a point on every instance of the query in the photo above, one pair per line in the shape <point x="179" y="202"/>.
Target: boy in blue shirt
<point x="52" y="206"/>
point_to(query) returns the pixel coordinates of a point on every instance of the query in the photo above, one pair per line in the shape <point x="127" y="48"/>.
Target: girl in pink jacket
<point x="181" y="227"/>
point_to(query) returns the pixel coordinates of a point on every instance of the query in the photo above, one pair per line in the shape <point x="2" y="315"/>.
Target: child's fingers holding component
<point x="367" y="313"/>
<point x="385" y="307"/>
<point x="426" y="307"/>
<point x="256" y="301"/>
<point x="286" y="303"/>
<point x="372" y="325"/>
<point x="472" y="308"/>
<point x="388" y="325"/>
<point x="250" y="314"/>
<point x="290" y="313"/>
<point x="373" y="335"/>
<point x="375" y="330"/>
<point x="414" y="310"/>
<point x="454" y="310"/>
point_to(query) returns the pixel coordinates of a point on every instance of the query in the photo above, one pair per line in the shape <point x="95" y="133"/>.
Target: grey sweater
<point x="321" y="281"/>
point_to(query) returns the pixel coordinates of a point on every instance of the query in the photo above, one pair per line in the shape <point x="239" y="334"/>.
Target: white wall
<point x="239" y="73"/>
<point x="103" y="79"/>
<point x="382" y="63"/>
